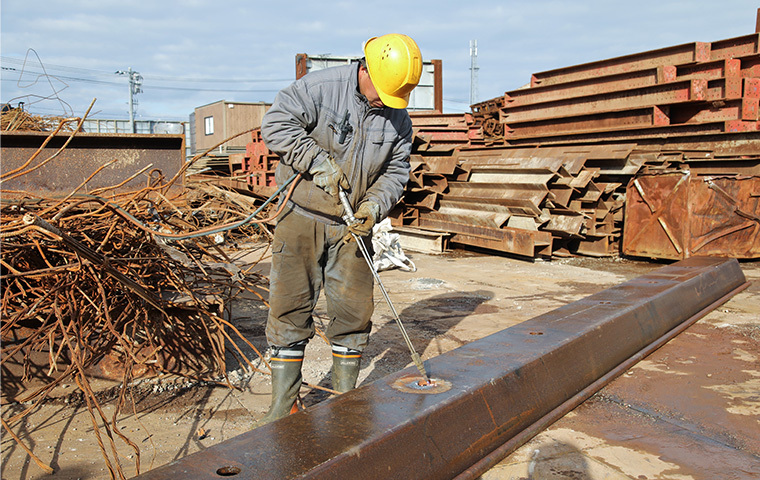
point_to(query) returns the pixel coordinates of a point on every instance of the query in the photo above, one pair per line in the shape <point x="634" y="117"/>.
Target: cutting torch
<point x="350" y="219"/>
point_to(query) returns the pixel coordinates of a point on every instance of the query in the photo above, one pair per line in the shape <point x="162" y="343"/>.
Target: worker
<point x="344" y="127"/>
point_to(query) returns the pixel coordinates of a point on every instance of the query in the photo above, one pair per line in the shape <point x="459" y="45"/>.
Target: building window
<point x="208" y="123"/>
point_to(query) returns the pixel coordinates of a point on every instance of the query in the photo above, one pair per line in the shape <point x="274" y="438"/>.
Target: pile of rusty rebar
<point x="17" y="119"/>
<point x="133" y="277"/>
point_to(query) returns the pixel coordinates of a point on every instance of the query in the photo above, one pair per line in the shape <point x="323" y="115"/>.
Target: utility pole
<point x="135" y="82"/>
<point x="473" y="72"/>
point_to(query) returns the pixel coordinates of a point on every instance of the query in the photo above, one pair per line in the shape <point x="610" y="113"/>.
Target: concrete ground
<point x="691" y="410"/>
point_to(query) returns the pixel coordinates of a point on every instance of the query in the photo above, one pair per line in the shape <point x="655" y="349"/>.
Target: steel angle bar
<point x="618" y="150"/>
<point x="474" y="232"/>
<point x="498" y="192"/>
<point x="491" y="174"/>
<point x="526" y="164"/>
<point x="476" y="152"/>
<point x="442" y="165"/>
<point x="475" y="213"/>
<point x="488" y="106"/>
<point x="502" y="390"/>
<point x="592" y="246"/>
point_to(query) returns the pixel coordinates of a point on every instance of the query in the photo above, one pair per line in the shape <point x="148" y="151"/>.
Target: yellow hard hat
<point x="394" y="63"/>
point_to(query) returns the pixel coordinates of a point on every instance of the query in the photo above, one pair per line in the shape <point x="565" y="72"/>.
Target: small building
<point x="215" y="122"/>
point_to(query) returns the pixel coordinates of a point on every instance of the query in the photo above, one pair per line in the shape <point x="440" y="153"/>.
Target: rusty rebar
<point x="80" y="283"/>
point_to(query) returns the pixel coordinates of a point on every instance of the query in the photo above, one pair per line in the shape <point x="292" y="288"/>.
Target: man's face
<point x="368" y="89"/>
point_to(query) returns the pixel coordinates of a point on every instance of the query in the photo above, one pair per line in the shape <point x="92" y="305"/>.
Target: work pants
<point x="308" y="255"/>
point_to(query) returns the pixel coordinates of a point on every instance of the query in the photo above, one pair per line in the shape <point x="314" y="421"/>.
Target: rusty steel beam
<point x="473" y="213"/>
<point x="84" y="155"/>
<point x="586" y="87"/>
<point x="676" y="134"/>
<point x="523" y="199"/>
<point x="422" y="118"/>
<point x="735" y="47"/>
<point x="694" y="90"/>
<point x="627" y="80"/>
<point x="631" y="79"/>
<point x="493" y="394"/>
<point x="742" y="109"/>
<point x="696" y="52"/>
<point x="621" y="120"/>
<point x="527" y="243"/>
<point x="732" y="145"/>
<point x="675" y="55"/>
<point x="488" y="107"/>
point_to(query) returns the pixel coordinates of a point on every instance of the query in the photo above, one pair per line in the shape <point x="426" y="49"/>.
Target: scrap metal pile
<point x="117" y="283"/>
<point x="18" y="119"/>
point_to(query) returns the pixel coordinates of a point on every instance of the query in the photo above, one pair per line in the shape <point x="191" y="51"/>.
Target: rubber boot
<point x="286" y="382"/>
<point x="346" y="363"/>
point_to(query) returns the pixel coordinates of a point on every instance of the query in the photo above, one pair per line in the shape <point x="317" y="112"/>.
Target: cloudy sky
<point x="59" y="55"/>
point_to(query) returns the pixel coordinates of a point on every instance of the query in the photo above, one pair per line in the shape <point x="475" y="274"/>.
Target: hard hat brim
<point x="392" y="101"/>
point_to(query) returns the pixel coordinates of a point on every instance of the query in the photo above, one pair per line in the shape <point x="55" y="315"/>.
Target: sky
<point x="57" y="57"/>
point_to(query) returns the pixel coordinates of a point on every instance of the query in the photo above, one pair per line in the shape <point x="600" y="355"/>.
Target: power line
<point x="59" y="77"/>
<point x="223" y="90"/>
<point x="160" y="78"/>
<point x="145" y="83"/>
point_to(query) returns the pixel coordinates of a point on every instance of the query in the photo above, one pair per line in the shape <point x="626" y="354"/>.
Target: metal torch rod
<point x="350" y="220"/>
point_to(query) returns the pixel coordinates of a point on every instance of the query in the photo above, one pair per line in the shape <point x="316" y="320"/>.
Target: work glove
<point x="329" y="177"/>
<point x="367" y="213"/>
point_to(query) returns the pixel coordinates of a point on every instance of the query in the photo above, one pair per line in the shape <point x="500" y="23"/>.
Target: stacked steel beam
<point x="530" y="201"/>
<point x="546" y="168"/>
<point x="692" y="89"/>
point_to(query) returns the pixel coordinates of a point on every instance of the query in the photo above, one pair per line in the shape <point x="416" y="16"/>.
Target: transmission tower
<point x="135" y="82"/>
<point x="473" y="72"/>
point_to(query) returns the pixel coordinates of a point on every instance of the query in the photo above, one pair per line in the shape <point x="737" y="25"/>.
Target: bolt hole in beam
<point x="228" y="471"/>
<point x="487" y="398"/>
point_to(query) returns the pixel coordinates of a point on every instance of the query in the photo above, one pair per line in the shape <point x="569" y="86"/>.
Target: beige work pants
<point x="308" y="256"/>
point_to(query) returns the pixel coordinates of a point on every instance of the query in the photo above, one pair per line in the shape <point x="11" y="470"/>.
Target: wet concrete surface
<point x="691" y="410"/>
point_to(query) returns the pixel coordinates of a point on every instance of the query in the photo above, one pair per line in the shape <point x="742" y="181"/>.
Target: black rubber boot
<point x="286" y="382"/>
<point x="346" y="363"/>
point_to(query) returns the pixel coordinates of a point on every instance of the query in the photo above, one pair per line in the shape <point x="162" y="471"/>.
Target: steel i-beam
<point x="492" y="395"/>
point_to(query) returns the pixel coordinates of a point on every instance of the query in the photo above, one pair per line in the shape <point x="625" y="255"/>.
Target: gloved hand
<point x="328" y="176"/>
<point x="367" y="212"/>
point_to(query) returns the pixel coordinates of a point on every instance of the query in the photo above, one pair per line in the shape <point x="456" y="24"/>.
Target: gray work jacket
<point x="305" y="124"/>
